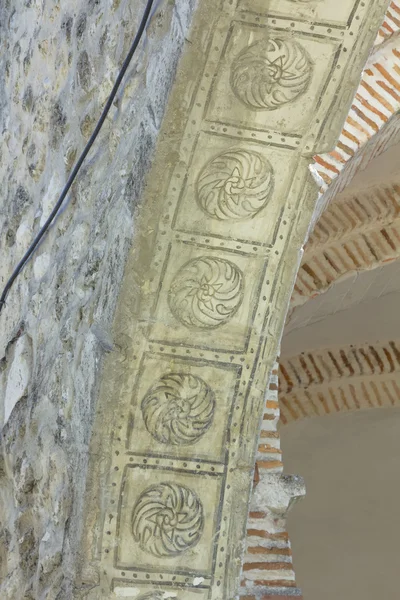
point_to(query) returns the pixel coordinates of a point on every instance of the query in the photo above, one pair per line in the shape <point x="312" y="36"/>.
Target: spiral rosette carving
<point x="206" y="292"/>
<point x="271" y="73"/>
<point x="167" y="519"/>
<point x="178" y="409"/>
<point x="235" y="185"/>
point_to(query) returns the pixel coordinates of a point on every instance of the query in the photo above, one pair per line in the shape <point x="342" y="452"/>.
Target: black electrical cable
<point x="82" y="157"/>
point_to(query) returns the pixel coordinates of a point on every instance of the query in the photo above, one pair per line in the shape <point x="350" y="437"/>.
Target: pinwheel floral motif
<point x="206" y="292"/>
<point x="235" y="185"/>
<point x="271" y="73"/>
<point x="178" y="409"/>
<point x="167" y="519"/>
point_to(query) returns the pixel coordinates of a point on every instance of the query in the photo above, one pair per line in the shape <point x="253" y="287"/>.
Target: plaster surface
<point x="383" y="169"/>
<point x="345" y="533"/>
<point x="361" y="304"/>
<point x="361" y="308"/>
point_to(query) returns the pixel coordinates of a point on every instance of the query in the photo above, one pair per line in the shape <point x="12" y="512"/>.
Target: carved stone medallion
<point x="271" y="73"/>
<point x="167" y="519"/>
<point x="178" y="409"/>
<point x="235" y="185"/>
<point x="206" y="292"/>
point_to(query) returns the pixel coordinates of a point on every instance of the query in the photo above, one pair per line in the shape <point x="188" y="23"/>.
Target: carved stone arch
<point x="263" y="88"/>
<point x="229" y="202"/>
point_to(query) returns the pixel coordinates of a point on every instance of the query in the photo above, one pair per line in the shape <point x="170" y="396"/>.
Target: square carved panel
<point x="231" y="190"/>
<point x="182" y="408"/>
<point x="167" y="521"/>
<point x="335" y="13"/>
<point x="268" y="76"/>
<point x="207" y="298"/>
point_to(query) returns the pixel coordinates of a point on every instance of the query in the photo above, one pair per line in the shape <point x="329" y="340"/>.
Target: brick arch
<point x="353" y="231"/>
<point x="377" y="99"/>
<point x="359" y="231"/>
<point x="391" y="23"/>
<point x="329" y="381"/>
<point x="312" y="384"/>
<point x="306" y="384"/>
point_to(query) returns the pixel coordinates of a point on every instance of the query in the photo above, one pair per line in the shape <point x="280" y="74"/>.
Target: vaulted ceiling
<point x="350" y="262"/>
<point x="340" y="350"/>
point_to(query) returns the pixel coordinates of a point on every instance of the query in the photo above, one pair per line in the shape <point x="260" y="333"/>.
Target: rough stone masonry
<point x="261" y="88"/>
<point x="58" y="62"/>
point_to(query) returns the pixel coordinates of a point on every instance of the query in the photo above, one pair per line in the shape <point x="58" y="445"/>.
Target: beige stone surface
<point x="58" y="61"/>
<point x="227" y="208"/>
<point x="16" y="379"/>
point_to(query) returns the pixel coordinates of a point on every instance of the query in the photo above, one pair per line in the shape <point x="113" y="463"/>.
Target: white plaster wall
<point x="345" y="532"/>
<point x="383" y="168"/>
<point x="363" y="307"/>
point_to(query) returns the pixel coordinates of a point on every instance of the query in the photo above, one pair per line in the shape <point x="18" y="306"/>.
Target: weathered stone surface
<point x="205" y="292"/>
<point x="17" y="377"/>
<point x="277" y="493"/>
<point x="226" y="212"/>
<point x="58" y="61"/>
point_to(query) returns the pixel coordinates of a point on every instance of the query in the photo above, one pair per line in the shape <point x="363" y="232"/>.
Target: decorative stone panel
<point x="229" y="201"/>
<point x="185" y="412"/>
<point x="319" y="12"/>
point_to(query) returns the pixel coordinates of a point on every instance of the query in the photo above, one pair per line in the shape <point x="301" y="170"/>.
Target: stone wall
<point x="58" y="61"/>
<point x="58" y="65"/>
<point x="216" y="264"/>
